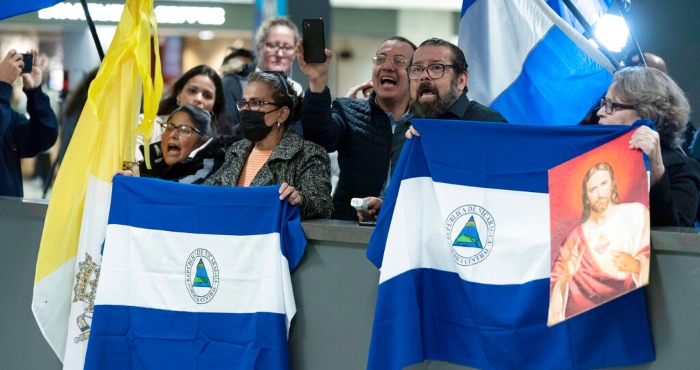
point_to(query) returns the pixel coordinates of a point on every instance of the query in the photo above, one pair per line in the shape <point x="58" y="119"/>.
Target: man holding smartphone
<point x="22" y="137"/>
<point x="368" y="134"/>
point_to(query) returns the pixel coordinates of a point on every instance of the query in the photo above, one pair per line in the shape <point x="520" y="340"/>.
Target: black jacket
<point x="191" y="170"/>
<point x="361" y="133"/>
<point x="21" y="137"/>
<point x="673" y="200"/>
<point x="469" y="110"/>
<point x="233" y="85"/>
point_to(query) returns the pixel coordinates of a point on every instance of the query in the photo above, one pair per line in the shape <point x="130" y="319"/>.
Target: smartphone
<point x="367" y="223"/>
<point x="28" y="63"/>
<point x="314" y="40"/>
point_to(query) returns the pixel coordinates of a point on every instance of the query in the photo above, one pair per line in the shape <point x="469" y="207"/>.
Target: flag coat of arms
<point x="463" y="246"/>
<point x="195" y="277"/>
<point x="68" y="264"/>
<point x="530" y="65"/>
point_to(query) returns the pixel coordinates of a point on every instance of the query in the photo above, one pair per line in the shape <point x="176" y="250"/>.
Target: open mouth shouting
<point x="174" y="149"/>
<point x="387" y="81"/>
<point x="427" y="92"/>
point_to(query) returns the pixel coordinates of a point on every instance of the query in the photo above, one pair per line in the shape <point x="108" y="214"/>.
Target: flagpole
<point x="621" y="8"/>
<point x="93" y="31"/>
<point x="590" y="34"/>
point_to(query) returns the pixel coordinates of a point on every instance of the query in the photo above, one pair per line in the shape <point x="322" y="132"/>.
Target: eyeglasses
<point x="611" y="106"/>
<point x="253" y="104"/>
<point x="182" y="130"/>
<point x="397" y="61"/>
<point x="435" y="71"/>
<point x="274" y="48"/>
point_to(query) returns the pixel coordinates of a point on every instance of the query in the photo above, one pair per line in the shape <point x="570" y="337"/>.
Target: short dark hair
<point x="282" y="91"/>
<point x="220" y="126"/>
<point x="200" y="118"/>
<point x="400" y="39"/>
<point x="235" y="52"/>
<point x="459" y="61"/>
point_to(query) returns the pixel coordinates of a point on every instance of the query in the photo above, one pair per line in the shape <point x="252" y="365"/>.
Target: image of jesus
<point x="606" y="255"/>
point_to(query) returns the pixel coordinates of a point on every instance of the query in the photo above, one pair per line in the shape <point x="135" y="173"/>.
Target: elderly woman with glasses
<point x="187" y="152"/>
<point x="646" y="93"/>
<point x="270" y="153"/>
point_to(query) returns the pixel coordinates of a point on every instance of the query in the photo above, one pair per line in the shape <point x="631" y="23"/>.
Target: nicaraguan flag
<point x="529" y="64"/>
<point x="487" y="308"/>
<point x="591" y="10"/>
<point x="195" y="277"/>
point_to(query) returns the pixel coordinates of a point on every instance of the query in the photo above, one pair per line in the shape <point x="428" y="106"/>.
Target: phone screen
<point x="314" y="40"/>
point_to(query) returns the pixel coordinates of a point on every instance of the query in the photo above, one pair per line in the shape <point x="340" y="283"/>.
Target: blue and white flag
<point x="12" y="8"/>
<point x="591" y="10"/>
<point x="487" y="309"/>
<point x="529" y="64"/>
<point x="195" y="277"/>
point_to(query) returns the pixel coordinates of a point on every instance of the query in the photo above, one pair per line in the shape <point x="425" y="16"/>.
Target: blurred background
<point x="201" y="32"/>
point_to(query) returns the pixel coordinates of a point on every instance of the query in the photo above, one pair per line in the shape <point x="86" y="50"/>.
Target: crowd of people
<point x="255" y="126"/>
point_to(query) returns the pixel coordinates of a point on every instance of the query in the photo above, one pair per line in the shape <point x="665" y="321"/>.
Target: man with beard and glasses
<point x="438" y="85"/>
<point x="606" y="255"/>
<point x="368" y="134"/>
<point x="438" y="89"/>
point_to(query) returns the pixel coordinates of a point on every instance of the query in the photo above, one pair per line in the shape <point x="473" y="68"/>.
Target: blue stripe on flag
<point x="480" y="165"/>
<point x="135" y="338"/>
<point x="171" y="206"/>
<point x="465" y="5"/>
<point x="579" y="83"/>
<point x="429" y="314"/>
<point x="496" y="328"/>
<point x="13" y="8"/>
<point x="591" y="10"/>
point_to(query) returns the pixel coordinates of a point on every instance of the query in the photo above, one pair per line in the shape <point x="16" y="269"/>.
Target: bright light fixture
<point x="612" y="31"/>
<point x="112" y="13"/>
<point x="206" y="35"/>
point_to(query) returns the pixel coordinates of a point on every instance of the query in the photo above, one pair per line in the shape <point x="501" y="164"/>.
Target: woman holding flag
<point x="270" y="153"/>
<point x="646" y="93"/>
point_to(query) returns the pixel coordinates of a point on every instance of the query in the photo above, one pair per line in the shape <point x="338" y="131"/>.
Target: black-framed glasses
<point x="435" y="71"/>
<point x="253" y="104"/>
<point x="274" y="48"/>
<point x="397" y="61"/>
<point x="611" y="106"/>
<point x="182" y="130"/>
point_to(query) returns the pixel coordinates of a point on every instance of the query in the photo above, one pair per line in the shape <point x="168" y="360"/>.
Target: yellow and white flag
<point x="68" y="265"/>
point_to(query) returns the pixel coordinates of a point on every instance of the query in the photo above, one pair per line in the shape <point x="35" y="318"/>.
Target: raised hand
<point x="317" y="73"/>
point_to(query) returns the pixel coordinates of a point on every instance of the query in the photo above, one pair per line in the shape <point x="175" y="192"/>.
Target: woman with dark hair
<point x="201" y="87"/>
<point x="187" y="153"/>
<point x="646" y="93"/>
<point x="270" y="153"/>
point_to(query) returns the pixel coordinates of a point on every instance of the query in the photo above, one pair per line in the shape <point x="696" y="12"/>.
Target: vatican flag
<point x="68" y="265"/>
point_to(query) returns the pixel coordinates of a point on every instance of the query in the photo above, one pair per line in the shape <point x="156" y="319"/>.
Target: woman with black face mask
<point x="271" y="154"/>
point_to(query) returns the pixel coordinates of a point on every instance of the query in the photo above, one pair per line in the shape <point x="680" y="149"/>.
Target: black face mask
<point x="252" y="124"/>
